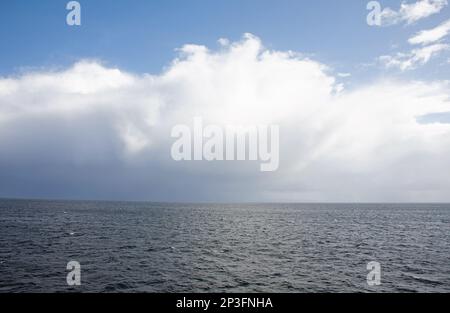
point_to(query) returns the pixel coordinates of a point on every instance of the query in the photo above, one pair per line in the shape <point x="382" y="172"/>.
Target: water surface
<point x="149" y="247"/>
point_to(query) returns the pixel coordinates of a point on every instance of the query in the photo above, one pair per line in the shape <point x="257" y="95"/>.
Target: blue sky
<point x="141" y="36"/>
<point x="86" y="112"/>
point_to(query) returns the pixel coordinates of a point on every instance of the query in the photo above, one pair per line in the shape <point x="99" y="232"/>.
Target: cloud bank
<point x="431" y="40"/>
<point x="94" y="131"/>
<point x="414" y="58"/>
<point x="425" y="37"/>
<point x="410" y="13"/>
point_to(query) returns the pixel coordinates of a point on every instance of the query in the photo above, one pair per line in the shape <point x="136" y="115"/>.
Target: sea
<point x="248" y="248"/>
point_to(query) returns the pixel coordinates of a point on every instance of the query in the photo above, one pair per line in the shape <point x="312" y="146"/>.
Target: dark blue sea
<point x="156" y="247"/>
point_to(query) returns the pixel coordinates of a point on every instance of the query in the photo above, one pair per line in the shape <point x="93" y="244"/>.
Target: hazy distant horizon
<point x="209" y="202"/>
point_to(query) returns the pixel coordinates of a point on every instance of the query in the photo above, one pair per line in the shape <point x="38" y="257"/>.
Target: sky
<point x="86" y="112"/>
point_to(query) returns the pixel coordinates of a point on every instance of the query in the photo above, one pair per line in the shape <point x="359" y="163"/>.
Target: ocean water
<point x="149" y="247"/>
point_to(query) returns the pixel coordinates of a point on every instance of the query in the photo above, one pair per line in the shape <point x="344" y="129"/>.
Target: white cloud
<point x="223" y="41"/>
<point x="99" y="128"/>
<point x="412" y="12"/>
<point x="344" y="75"/>
<point x="425" y="37"/>
<point x="414" y="58"/>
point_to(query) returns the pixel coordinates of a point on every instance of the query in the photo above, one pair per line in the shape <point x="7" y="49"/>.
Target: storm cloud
<point x="92" y="131"/>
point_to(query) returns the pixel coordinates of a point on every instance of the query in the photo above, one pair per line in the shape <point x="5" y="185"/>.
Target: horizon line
<point x="217" y="202"/>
